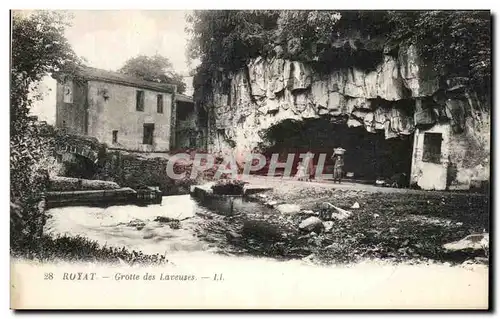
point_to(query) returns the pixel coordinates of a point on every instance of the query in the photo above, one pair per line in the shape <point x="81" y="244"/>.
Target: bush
<point x="80" y="249"/>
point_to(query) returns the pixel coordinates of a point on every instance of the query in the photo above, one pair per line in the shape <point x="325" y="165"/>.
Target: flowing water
<point x="134" y="227"/>
<point x="292" y="283"/>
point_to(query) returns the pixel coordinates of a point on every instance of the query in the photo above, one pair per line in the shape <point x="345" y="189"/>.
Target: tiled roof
<point x="183" y="98"/>
<point x="115" y="77"/>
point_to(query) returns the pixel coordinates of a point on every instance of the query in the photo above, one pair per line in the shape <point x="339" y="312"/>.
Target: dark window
<point x="184" y="110"/>
<point x="159" y="103"/>
<point x="139" y="101"/>
<point x="148" y="134"/>
<point x="115" y="136"/>
<point x="432" y="147"/>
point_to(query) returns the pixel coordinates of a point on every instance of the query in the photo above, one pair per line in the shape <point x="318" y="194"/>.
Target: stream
<point x="134" y="227"/>
<point x="201" y="246"/>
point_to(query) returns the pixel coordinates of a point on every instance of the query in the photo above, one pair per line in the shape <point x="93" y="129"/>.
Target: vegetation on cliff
<point x="458" y="43"/>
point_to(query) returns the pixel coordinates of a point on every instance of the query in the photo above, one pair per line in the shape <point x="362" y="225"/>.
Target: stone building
<point x="124" y="112"/>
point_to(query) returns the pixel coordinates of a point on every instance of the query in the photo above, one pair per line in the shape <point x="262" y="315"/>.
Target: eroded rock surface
<point x="268" y="91"/>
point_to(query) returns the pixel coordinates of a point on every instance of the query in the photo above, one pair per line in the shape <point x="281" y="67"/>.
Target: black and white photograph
<point x="250" y="159"/>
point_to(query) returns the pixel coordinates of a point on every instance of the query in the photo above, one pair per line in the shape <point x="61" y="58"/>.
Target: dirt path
<point x="287" y="184"/>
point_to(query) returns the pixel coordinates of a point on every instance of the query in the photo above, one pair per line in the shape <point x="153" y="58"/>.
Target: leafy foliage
<point x="38" y="48"/>
<point x="458" y="43"/>
<point x="156" y="68"/>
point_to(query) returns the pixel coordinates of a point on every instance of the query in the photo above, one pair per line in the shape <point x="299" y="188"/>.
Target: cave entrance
<point x="368" y="156"/>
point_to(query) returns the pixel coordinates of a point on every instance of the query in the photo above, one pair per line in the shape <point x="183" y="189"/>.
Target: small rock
<point x="288" y="208"/>
<point x="341" y="213"/>
<point x="311" y="224"/>
<point x="333" y="246"/>
<point x="459" y="224"/>
<point x="355" y="205"/>
<point x="471" y="242"/>
<point x="376" y="215"/>
<point x="272" y="203"/>
<point x="327" y="206"/>
<point x="328" y="226"/>
<point x="163" y="219"/>
<point x="231" y="235"/>
<point x="306" y="236"/>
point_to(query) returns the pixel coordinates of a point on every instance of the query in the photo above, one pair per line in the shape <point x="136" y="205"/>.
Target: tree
<point x="38" y="49"/>
<point x="456" y="43"/>
<point x="156" y="68"/>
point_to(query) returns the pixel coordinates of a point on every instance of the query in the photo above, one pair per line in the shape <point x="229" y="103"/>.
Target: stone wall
<point x="137" y="171"/>
<point x="71" y="112"/>
<point x="134" y="171"/>
<point x="428" y="175"/>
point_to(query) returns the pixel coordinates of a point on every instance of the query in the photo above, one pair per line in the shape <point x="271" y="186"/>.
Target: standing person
<point x="338" y="164"/>
<point x="309" y="165"/>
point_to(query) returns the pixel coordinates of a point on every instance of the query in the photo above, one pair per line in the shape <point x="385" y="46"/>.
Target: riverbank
<point x="383" y="223"/>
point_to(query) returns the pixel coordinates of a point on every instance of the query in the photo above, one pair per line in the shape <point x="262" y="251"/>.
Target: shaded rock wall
<point x="398" y="95"/>
<point x="271" y="90"/>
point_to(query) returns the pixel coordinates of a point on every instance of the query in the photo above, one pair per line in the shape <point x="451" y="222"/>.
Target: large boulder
<point x="312" y="224"/>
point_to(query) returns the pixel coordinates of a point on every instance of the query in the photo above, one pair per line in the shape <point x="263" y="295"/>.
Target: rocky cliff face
<point x="397" y="96"/>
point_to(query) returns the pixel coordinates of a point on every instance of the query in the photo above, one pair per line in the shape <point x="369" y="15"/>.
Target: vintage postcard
<point x="250" y="159"/>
